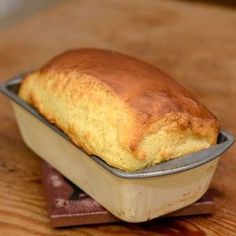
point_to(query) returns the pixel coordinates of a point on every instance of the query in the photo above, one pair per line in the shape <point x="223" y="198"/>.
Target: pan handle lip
<point x="174" y="166"/>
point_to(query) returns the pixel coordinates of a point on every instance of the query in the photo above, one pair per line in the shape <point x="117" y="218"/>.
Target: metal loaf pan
<point x="134" y="197"/>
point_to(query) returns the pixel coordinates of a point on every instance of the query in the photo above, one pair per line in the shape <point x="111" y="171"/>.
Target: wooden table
<point x="194" y="42"/>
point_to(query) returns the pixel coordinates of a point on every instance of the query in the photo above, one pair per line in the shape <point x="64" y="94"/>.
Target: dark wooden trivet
<point x="68" y="205"/>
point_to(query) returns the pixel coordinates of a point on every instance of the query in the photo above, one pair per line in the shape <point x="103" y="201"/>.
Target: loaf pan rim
<point x="174" y="166"/>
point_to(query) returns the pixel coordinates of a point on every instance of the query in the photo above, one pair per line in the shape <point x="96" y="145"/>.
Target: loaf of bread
<point x="129" y="113"/>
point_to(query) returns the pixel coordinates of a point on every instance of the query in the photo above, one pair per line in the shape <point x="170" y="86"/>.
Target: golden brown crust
<point x="141" y="85"/>
<point x="125" y="111"/>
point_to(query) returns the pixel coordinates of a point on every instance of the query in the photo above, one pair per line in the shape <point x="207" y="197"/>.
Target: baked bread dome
<point x="129" y="113"/>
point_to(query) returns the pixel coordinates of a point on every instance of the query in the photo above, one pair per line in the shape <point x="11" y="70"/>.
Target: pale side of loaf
<point x="123" y="110"/>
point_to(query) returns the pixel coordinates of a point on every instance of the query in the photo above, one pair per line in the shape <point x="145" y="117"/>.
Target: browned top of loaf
<point x="142" y="86"/>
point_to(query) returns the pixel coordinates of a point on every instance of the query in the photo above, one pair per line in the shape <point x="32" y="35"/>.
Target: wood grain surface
<point x="194" y="42"/>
